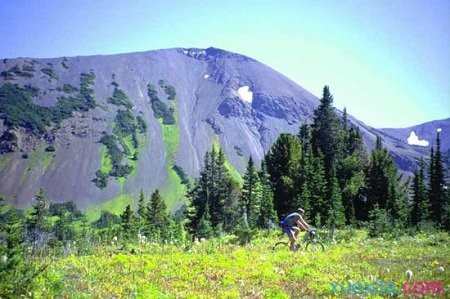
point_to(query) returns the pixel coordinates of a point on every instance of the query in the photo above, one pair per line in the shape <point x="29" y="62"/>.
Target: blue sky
<point x="388" y="62"/>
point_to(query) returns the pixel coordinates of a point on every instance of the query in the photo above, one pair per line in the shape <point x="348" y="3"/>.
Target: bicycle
<point x="311" y="240"/>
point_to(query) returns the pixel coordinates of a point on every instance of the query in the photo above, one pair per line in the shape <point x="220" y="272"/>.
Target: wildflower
<point x="115" y="239"/>
<point x="441" y="269"/>
<point x="409" y="274"/>
<point x="4" y="259"/>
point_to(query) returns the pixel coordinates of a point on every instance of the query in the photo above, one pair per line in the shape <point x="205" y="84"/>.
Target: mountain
<point x="97" y="129"/>
<point x="423" y="135"/>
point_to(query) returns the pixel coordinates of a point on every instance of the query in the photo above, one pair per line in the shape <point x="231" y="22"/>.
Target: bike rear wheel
<point x="280" y="244"/>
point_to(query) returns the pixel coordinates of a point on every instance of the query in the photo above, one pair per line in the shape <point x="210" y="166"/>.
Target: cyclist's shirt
<point x="291" y="219"/>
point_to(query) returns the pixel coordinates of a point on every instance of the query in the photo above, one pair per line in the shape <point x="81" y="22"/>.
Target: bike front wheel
<point x="314" y="246"/>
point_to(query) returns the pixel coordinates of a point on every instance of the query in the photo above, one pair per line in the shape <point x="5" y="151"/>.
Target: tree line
<point x="325" y="169"/>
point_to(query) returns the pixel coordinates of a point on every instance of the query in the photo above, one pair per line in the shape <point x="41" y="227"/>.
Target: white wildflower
<point x="409" y="274"/>
<point x="4" y="259"/>
<point x="441" y="269"/>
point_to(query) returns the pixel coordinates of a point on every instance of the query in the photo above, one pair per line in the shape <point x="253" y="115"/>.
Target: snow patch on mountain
<point x="206" y="76"/>
<point x="413" y="139"/>
<point x="245" y="94"/>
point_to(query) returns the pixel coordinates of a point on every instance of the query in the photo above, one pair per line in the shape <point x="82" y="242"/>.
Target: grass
<point x="173" y="190"/>
<point x="220" y="269"/>
<point x="105" y="160"/>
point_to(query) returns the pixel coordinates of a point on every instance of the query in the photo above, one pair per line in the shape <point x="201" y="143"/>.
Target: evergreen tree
<point x="267" y="215"/>
<point x="127" y="221"/>
<point x="16" y="272"/>
<point x="420" y="205"/>
<point x="383" y="186"/>
<point x="283" y="166"/>
<point x="317" y="190"/>
<point x="336" y="216"/>
<point x="158" y="218"/>
<point x="251" y="194"/>
<point x="326" y="133"/>
<point x="141" y="209"/>
<point x="379" y="172"/>
<point x="204" y="229"/>
<point x="37" y="223"/>
<point x="220" y="189"/>
<point x="195" y="208"/>
<point x="305" y="137"/>
<point x="213" y="193"/>
<point x="436" y="190"/>
<point x="63" y="228"/>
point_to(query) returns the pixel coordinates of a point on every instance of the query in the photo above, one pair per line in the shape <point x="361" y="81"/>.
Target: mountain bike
<point x="311" y="241"/>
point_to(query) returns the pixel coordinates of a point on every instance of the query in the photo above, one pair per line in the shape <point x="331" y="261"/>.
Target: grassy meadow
<point x="220" y="268"/>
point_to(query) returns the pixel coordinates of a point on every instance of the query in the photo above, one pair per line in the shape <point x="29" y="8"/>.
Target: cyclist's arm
<point x="303" y="224"/>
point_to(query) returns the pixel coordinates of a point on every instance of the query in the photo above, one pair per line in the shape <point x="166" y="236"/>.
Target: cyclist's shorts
<point x="287" y="229"/>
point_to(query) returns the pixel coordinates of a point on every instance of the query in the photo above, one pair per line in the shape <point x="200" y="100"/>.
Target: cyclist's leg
<point x="293" y="238"/>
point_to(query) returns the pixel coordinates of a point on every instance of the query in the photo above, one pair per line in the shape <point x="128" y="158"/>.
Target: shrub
<point x="120" y="98"/>
<point x="86" y="91"/>
<point x="101" y="179"/>
<point x="49" y="72"/>
<point x="160" y="109"/>
<point x="50" y="148"/>
<point x="181" y="174"/>
<point x="125" y="123"/>
<point x="142" y="126"/>
<point x="18" y="110"/>
<point x="67" y="88"/>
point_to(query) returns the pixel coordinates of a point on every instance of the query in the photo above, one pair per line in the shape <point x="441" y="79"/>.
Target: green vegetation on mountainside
<point x="17" y="108"/>
<point x="118" y="157"/>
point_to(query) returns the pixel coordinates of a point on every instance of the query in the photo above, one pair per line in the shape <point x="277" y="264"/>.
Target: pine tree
<point x="379" y="171"/>
<point x="127" y="221"/>
<point x="305" y="137"/>
<point x="158" y="218"/>
<point x="17" y="274"/>
<point x="267" y="215"/>
<point x="283" y="166"/>
<point x="326" y="133"/>
<point x="37" y="223"/>
<point x="420" y="204"/>
<point x="141" y="208"/>
<point x="221" y="187"/>
<point x="383" y="186"/>
<point x="436" y="189"/>
<point x="205" y="229"/>
<point x="336" y="216"/>
<point x="251" y="194"/>
<point x="319" y="207"/>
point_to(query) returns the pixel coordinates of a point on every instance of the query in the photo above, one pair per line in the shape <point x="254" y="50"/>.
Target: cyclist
<point x="292" y="224"/>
